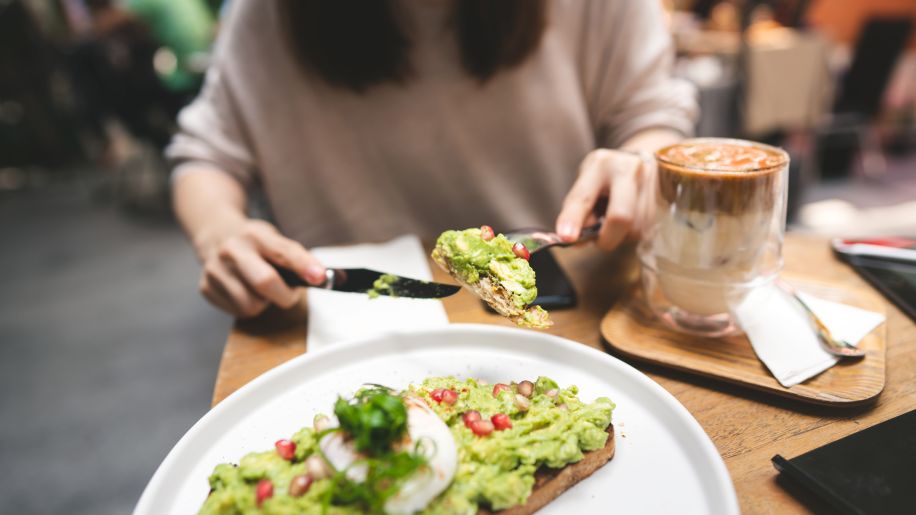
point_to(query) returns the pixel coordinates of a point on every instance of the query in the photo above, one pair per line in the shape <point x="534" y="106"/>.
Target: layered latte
<point x="719" y="222"/>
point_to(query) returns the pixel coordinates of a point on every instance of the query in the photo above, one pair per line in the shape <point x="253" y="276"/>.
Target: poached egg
<point x="429" y="435"/>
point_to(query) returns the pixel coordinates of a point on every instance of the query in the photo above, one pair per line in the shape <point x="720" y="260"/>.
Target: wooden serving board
<point x="631" y="330"/>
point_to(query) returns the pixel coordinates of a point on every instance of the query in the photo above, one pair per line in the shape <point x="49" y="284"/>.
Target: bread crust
<point x="550" y="483"/>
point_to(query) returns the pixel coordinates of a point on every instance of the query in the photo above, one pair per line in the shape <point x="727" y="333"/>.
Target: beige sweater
<point x="442" y="151"/>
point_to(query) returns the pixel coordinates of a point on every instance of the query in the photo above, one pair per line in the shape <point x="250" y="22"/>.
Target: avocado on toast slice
<point x="488" y="266"/>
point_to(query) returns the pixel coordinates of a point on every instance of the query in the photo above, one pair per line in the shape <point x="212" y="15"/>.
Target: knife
<point x="362" y="280"/>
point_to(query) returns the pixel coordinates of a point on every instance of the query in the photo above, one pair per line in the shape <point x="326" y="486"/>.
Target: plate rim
<point x="232" y="402"/>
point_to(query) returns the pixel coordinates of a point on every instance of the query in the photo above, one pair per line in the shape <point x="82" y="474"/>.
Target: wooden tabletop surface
<point x="747" y="427"/>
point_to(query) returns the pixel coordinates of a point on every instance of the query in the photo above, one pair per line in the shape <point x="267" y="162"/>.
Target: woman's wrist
<point x="210" y="205"/>
<point x="650" y="140"/>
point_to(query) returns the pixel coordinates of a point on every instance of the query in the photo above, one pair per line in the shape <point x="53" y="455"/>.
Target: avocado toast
<point x="496" y="270"/>
<point x="462" y="447"/>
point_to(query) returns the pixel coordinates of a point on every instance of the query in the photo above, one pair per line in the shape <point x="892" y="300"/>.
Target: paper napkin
<point x="338" y="316"/>
<point x="782" y="335"/>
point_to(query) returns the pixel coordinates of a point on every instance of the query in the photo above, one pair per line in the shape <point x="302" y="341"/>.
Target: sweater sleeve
<point x="212" y="131"/>
<point x="626" y="58"/>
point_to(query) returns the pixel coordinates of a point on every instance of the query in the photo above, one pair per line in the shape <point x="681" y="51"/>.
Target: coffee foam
<point x="722" y="175"/>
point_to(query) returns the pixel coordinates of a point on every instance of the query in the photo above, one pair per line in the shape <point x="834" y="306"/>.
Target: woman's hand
<point x="235" y="250"/>
<point x="237" y="276"/>
<point x="618" y="185"/>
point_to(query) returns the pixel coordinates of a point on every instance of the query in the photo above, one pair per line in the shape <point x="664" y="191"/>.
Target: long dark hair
<point x="359" y="43"/>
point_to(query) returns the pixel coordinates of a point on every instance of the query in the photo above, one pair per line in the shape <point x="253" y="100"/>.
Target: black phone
<point x="555" y="290"/>
<point x="889" y="265"/>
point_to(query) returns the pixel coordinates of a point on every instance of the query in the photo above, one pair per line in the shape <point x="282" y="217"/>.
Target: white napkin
<point x="337" y="316"/>
<point x="785" y="341"/>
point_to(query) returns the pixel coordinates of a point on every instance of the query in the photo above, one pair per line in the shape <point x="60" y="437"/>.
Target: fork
<point x="831" y="344"/>
<point x="540" y="239"/>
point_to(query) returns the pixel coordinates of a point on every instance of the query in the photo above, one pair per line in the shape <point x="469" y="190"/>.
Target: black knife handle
<point x="293" y="279"/>
<point x="289" y="277"/>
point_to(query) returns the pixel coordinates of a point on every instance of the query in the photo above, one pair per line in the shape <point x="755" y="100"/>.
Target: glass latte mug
<point x="718" y="230"/>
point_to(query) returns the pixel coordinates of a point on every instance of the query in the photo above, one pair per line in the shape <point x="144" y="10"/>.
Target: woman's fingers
<point x="223" y="287"/>
<point x="646" y="210"/>
<point x="285" y="252"/>
<point x="604" y="174"/>
<point x="580" y="201"/>
<point x="239" y="276"/>
<point x="624" y="202"/>
<point x="217" y="298"/>
<point x="257" y="274"/>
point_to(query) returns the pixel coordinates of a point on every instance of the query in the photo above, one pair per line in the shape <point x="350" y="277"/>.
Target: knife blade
<point x="362" y="280"/>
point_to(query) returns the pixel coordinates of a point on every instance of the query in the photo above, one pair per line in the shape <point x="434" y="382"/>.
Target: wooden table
<point x="747" y="427"/>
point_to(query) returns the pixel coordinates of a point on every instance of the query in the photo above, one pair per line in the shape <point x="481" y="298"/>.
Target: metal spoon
<point x="832" y="344"/>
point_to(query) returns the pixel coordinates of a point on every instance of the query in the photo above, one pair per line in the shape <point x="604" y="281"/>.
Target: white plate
<point x="664" y="462"/>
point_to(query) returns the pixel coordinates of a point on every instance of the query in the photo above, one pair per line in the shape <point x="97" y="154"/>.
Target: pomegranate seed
<point x="481" y="427"/>
<point x="501" y="421"/>
<point x="470" y="416"/>
<point x="521" y="250"/>
<point x="436" y="395"/>
<point x="264" y="490"/>
<point x="551" y="393"/>
<point x="300" y="485"/>
<point x="449" y="396"/>
<point x="286" y="449"/>
<point x="522" y="402"/>
<point x="486" y="232"/>
<point x="500" y="387"/>
<point x="526" y="388"/>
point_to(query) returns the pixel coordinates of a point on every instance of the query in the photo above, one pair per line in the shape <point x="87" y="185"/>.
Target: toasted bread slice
<point x="550" y="483"/>
<point x="497" y="297"/>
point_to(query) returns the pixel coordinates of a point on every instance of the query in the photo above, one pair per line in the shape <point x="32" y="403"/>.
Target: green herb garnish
<point x="374" y="418"/>
<point x="385" y="476"/>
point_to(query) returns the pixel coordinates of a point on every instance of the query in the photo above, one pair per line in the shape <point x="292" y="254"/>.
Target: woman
<point x="365" y="120"/>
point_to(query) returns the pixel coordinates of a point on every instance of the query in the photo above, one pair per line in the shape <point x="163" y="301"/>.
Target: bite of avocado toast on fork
<point x="496" y="270"/>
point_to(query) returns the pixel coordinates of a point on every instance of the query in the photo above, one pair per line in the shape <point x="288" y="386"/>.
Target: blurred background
<point x="107" y="353"/>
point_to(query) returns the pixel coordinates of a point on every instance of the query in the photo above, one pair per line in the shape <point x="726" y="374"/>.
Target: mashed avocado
<point x="498" y="470"/>
<point x="553" y="429"/>
<point x="233" y="491"/>
<point x="382" y="284"/>
<point x="490" y="268"/>
<point x="472" y="257"/>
